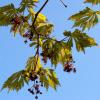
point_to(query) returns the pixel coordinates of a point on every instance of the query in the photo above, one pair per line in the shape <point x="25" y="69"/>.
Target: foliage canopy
<point x="35" y="27"/>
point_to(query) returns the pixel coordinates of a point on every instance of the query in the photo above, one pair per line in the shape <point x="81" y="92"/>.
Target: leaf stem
<point x="63" y="3"/>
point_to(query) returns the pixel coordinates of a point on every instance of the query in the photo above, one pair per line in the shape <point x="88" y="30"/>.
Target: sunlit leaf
<point x="15" y="81"/>
<point x="82" y="40"/>
<point x="93" y="1"/>
<point x="45" y="28"/>
<point x="33" y="62"/>
<point x="49" y="79"/>
<point x="86" y="18"/>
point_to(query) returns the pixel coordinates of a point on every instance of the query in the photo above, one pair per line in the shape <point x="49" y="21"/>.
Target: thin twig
<point x="53" y="39"/>
<point x="36" y="15"/>
<point x="63" y="39"/>
<point x="63" y="3"/>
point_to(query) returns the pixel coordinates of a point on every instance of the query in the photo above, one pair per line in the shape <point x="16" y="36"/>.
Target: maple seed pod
<point x="73" y="61"/>
<point x="44" y="59"/>
<point x="32" y="92"/>
<point x="25" y="35"/>
<point x="25" y="41"/>
<point x="69" y="70"/>
<point x="37" y="92"/>
<point x="68" y="67"/>
<point x="36" y="97"/>
<point x="37" y="87"/>
<point x="74" y="70"/>
<point x="40" y="92"/>
<point x="24" y="19"/>
<point x="12" y="20"/>
<point x="42" y="85"/>
<point x="29" y="90"/>
<point x="16" y="20"/>
<point x="30" y="38"/>
<point x="42" y="54"/>
<point x="33" y="78"/>
<point x="71" y="57"/>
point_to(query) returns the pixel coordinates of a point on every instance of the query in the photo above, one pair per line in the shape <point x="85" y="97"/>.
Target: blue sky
<point x="84" y="85"/>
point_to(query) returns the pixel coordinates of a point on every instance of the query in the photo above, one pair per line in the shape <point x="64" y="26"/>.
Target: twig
<point x="38" y="35"/>
<point x="63" y="3"/>
<point x="52" y="38"/>
<point x="36" y="15"/>
<point x="63" y="39"/>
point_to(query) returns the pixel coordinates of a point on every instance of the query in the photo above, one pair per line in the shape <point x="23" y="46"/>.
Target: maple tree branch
<point x="37" y="52"/>
<point x="46" y="37"/>
<point x="38" y="36"/>
<point x="63" y="3"/>
<point x="36" y="15"/>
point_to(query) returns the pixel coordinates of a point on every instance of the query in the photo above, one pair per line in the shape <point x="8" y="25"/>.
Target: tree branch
<point x="63" y="3"/>
<point x="38" y="36"/>
<point x="36" y="15"/>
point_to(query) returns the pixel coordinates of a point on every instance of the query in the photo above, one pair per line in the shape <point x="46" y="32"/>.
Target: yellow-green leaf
<point x="86" y="18"/>
<point x="94" y="2"/>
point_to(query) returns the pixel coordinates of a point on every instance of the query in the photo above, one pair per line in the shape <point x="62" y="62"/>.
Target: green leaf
<point x="44" y="80"/>
<point x="94" y="2"/>
<point x="26" y="3"/>
<point x="86" y="18"/>
<point x="57" y="52"/>
<point x="49" y="78"/>
<point x="67" y="33"/>
<point x="32" y="44"/>
<point x="15" y="81"/>
<point x="45" y="28"/>
<point x="33" y="62"/>
<point x="6" y="14"/>
<point x="6" y="8"/>
<point x="82" y="40"/>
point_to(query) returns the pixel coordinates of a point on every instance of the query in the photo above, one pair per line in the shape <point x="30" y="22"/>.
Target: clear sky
<point x="84" y="85"/>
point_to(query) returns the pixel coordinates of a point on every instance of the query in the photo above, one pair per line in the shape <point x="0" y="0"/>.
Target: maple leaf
<point x="86" y="18"/>
<point x="94" y="2"/>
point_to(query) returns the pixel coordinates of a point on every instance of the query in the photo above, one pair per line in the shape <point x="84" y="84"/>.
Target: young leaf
<point x="85" y="19"/>
<point x="33" y="62"/>
<point x="26" y="3"/>
<point x="6" y="14"/>
<point x="15" y="81"/>
<point x="94" y="2"/>
<point x="82" y="40"/>
<point x="49" y="78"/>
<point x="44" y="28"/>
